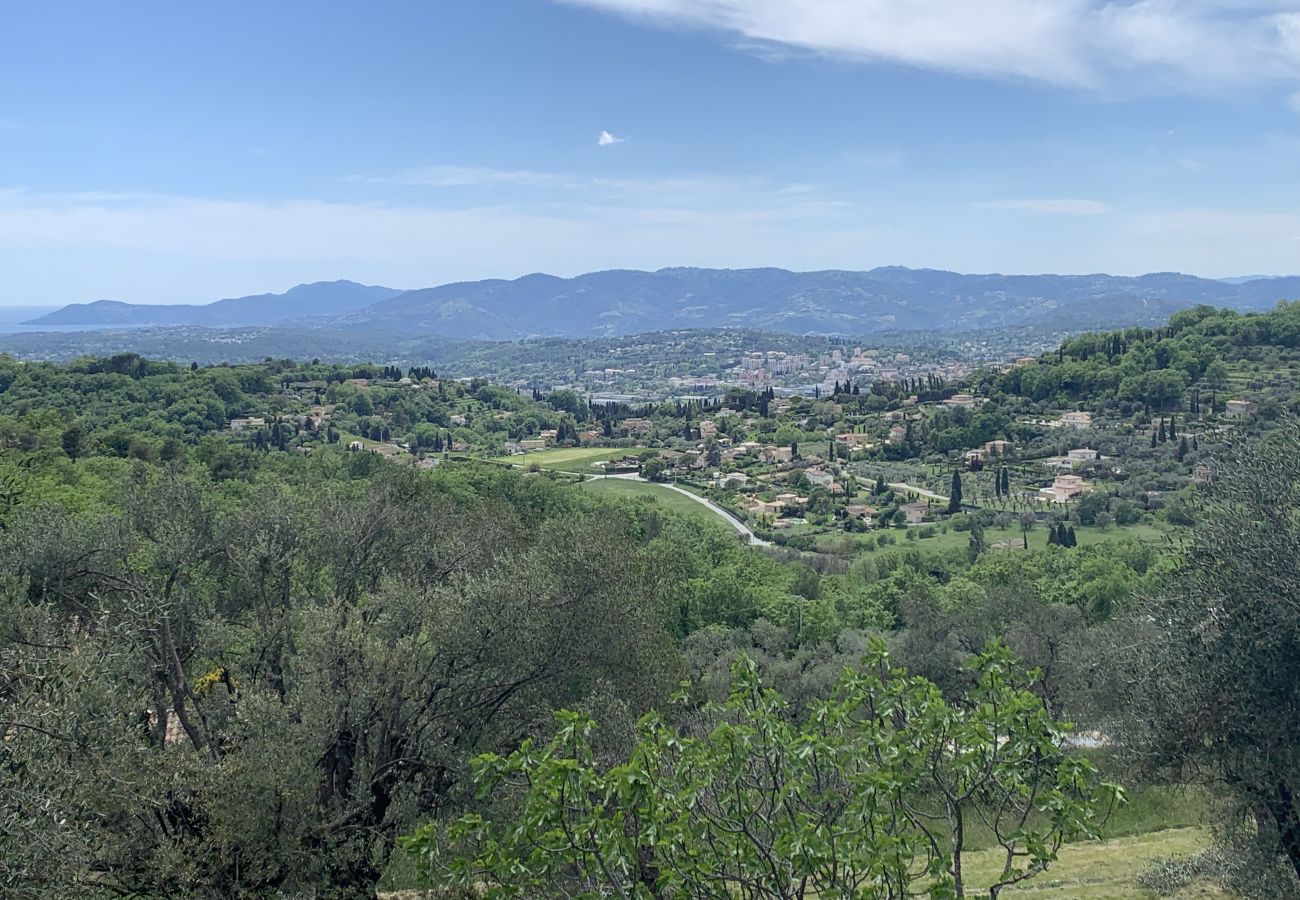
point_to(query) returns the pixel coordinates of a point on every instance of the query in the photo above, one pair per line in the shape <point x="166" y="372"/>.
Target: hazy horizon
<point x="439" y="143"/>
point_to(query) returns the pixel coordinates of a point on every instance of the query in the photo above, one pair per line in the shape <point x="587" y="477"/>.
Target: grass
<point x="666" y="497"/>
<point x="953" y="539"/>
<point x="1090" y="870"/>
<point x="1100" y="870"/>
<point x="568" y="459"/>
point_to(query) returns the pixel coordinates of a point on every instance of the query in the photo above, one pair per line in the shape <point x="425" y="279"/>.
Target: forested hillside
<point x="1203" y="349"/>
<point x="291" y="628"/>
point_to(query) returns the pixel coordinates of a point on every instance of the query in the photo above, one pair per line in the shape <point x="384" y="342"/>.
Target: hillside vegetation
<point x="289" y="628"/>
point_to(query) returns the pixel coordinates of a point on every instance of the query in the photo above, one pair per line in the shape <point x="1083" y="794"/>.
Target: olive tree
<point x="230" y="696"/>
<point x="1207" y="671"/>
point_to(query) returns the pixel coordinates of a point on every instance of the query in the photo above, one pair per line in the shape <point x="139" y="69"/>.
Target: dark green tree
<point x="1207" y="670"/>
<point x="72" y="440"/>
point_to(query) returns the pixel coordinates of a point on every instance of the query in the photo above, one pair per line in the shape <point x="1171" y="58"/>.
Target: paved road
<point x="741" y="527"/>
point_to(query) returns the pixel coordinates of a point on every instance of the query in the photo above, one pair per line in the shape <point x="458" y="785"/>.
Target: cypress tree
<point x="954" y="498"/>
<point x="1070" y="540"/>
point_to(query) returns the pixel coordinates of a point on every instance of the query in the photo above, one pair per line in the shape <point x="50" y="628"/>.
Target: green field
<point x="568" y="459"/>
<point x="666" y="497"/>
<point x="1009" y="536"/>
<point x="1101" y="870"/>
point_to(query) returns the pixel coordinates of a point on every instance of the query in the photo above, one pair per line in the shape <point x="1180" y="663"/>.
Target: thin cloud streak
<point x="1064" y="206"/>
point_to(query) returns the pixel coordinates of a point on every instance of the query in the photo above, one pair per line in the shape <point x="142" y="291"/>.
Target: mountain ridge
<point x="301" y="301"/>
<point x="616" y="302"/>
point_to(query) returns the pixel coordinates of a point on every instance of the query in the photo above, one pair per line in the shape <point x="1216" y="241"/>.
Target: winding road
<point x="743" y="529"/>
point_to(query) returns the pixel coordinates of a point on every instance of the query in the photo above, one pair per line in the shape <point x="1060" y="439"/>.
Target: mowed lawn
<point x="666" y="497"/>
<point x="569" y="459"/>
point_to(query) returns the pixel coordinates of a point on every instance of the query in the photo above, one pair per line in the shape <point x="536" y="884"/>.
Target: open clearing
<point x="669" y="499"/>
<point x="568" y="459"/>
<point x="1102" y="870"/>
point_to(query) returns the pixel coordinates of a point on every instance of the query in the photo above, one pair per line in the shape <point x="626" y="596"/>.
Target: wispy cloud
<point x="448" y="176"/>
<point x="1050" y="206"/>
<point x="606" y="139"/>
<point x="1198" y="44"/>
<point x="890" y="158"/>
<point x="659" y="189"/>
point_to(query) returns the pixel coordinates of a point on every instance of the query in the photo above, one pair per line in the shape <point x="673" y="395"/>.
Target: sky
<point x="179" y="152"/>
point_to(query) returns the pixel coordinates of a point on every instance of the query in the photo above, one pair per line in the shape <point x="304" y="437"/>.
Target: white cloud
<point x="606" y="139"/>
<point x="1199" y="44"/>
<point x="661" y="189"/>
<point x="443" y="176"/>
<point x="1062" y="206"/>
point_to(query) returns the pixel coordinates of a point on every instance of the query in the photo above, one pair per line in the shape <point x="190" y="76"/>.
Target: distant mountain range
<point x="322" y="298"/>
<point x="624" y="302"/>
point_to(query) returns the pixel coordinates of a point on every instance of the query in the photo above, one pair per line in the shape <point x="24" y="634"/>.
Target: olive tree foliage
<point x="1208" y="668"/>
<point x="873" y="794"/>
<point x="255" y="694"/>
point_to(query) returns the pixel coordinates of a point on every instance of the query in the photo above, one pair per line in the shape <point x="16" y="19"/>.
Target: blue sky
<point x="168" y="152"/>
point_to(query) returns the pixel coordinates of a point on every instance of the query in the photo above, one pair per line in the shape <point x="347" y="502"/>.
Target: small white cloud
<point x="607" y="139"/>
<point x="1063" y="206"/>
